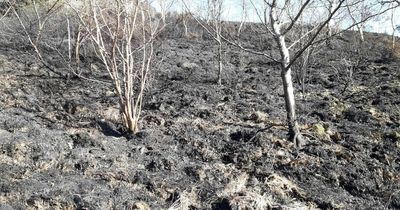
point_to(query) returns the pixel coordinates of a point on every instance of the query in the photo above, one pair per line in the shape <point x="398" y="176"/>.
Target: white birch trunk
<point x="286" y="74"/>
<point x="361" y="31"/>
<point x="243" y="19"/>
<point x="332" y="6"/>
<point x="220" y="62"/>
<point x="394" y="30"/>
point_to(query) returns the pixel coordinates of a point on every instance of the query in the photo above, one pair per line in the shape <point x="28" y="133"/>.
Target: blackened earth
<point x="201" y="145"/>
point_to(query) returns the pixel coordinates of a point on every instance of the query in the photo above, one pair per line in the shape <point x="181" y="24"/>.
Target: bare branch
<point x="300" y="12"/>
<point x="311" y="40"/>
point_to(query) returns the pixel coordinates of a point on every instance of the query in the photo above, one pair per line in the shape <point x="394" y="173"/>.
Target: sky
<point x="232" y="11"/>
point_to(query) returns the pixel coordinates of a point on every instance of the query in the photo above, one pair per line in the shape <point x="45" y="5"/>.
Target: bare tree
<point x="279" y="31"/>
<point x="213" y="25"/>
<point x="216" y="13"/>
<point x="33" y="25"/>
<point x="244" y="16"/>
<point x="394" y="4"/>
<point x="280" y="18"/>
<point x="331" y="6"/>
<point x="123" y="34"/>
<point x="301" y="67"/>
<point x="358" y="13"/>
<point x="361" y="12"/>
<point x="300" y="33"/>
<point x="394" y="28"/>
<point x="184" y="18"/>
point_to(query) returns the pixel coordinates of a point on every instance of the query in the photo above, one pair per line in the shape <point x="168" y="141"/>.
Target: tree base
<point x="297" y="139"/>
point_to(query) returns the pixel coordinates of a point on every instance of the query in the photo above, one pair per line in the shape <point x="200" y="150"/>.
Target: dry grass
<point x="281" y="186"/>
<point x="254" y="201"/>
<point x="236" y="185"/>
<point x="185" y="201"/>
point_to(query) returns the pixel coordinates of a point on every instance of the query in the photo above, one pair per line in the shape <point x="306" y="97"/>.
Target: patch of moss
<point x="320" y="131"/>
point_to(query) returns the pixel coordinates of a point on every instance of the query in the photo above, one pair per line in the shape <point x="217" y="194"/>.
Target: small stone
<point x="258" y="117"/>
<point x="162" y="107"/>
<point x="94" y="67"/>
<point x="280" y="153"/>
<point x="187" y="65"/>
<point x="258" y="153"/>
<point x="111" y="113"/>
<point x="34" y="67"/>
<point x="201" y="174"/>
<point x="141" y="206"/>
<point x="110" y="93"/>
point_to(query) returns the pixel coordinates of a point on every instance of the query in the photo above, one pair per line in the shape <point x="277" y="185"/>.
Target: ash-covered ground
<point x="201" y="145"/>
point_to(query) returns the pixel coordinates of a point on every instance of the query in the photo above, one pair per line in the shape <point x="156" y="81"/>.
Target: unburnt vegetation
<point x="65" y="142"/>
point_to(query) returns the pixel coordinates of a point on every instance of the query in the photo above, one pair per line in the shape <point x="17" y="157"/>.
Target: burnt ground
<point x="202" y="146"/>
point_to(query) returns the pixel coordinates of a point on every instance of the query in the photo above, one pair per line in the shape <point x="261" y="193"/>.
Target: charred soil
<point x="204" y="146"/>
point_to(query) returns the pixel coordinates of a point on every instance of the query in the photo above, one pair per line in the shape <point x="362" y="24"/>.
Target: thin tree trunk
<point x="294" y="132"/>
<point x="286" y="74"/>
<point x="393" y="41"/>
<point x="243" y="19"/>
<point x="330" y="25"/>
<point x="394" y="30"/>
<point x="77" y="50"/>
<point x="129" y="119"/>
<point x="304" y="67"/>
<point x="361" y="31"/>
<point x="219" y="62"/>
<point x="69" y="40"/>
<point x="185" y="26"/>
<point x="360" y="26"/>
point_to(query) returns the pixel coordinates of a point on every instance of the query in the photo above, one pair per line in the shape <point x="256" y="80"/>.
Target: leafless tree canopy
<point x="123" y="34"/>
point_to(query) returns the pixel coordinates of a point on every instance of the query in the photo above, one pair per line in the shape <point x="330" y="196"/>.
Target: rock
<point x="258" y="117"/>
<point x="187" y="65"/>
<point x="110" y="93"/>
<point x="111" y="113"/>
<point x="141" y="206"/>
<point x="201" y="174"/>
<point x="34" y="67"/>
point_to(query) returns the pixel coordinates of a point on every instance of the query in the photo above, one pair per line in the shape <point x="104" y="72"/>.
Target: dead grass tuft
<point x="282" y="186"/>
<point x="186" y="201"/>
<point x="236" y="185"/>
<point x="254" y="201"/>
